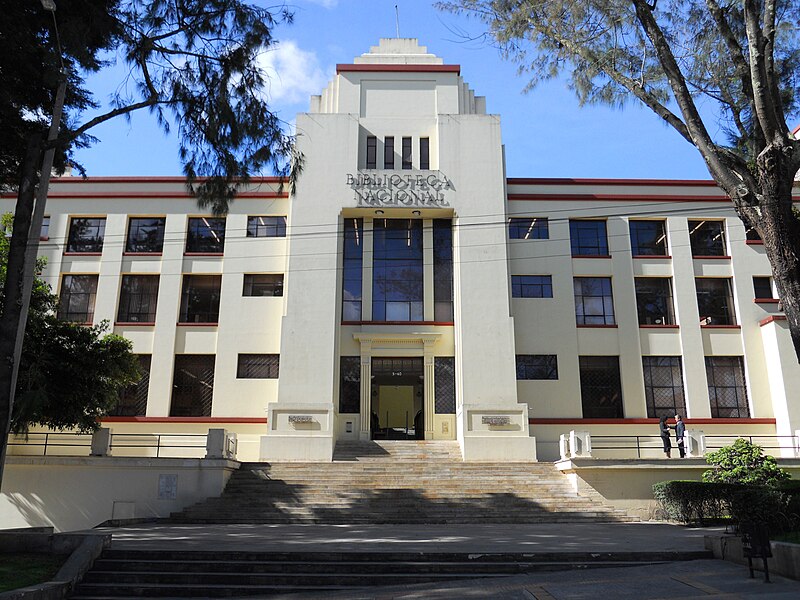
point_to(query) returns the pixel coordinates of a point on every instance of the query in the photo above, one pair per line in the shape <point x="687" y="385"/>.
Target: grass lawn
<point x="793" y="537"/>
<point x="22" y="570"/>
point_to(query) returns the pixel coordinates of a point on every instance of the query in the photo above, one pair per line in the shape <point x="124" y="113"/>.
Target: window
<point x="443" y="270"/>
<point x="444" y="383"/>
<point x="715" y="301"/>
<point x="601" y="392"/>
<point x="200" y="298"/>
<point x="751" y="235"/>
<point x="192" y="385"/>
<point x="537" y="366"/>
<point x="45" y="232"/>
<point x="424" y="153"/>
<point x="206" y="235"/>
<point x="531" y="286"/>
<point x="648" y="238"/>
<point x="397" y="270"/>
<point x="588" y="238"/>
<point x="372" y="152"/>
<point x="663" y="386"/>
<point x="266" y="284"/>
<point x="594" y="304"/>
<point x="762" y="286"/>
<point x="726" y="387"/>
<point x="654" y="301"/>
<point x="145" y="235"/>
<point x="266" y="226"/>
<point x="528" y="228"/>
<point x="137" y="299"/>
<point x="258" y="366"/>
<point x="707" y="238"/>
<point x="76" y="302"/>
<point x="351" y="271"/>
<point x="133" y="399"/>
<point x="350" y="384"/>
<point x="388" y="153"/>
<point x="86" y="235"/>
<point x="406" y="156"/>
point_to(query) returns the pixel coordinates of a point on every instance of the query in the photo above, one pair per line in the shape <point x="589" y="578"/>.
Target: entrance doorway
<point x="397" y="405"/>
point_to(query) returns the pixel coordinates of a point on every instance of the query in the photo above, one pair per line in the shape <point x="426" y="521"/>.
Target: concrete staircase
<point x="398" y="482"/>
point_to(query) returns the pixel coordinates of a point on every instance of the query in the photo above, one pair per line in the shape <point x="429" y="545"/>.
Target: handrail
<point x="85" y="440"/>
<point x="158" y="437"/>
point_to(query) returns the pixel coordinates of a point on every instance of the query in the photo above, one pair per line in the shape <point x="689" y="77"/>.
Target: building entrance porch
<point x="396" y="403"/>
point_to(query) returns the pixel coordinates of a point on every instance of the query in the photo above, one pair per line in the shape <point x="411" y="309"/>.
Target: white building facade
<point x="409" y="290"/>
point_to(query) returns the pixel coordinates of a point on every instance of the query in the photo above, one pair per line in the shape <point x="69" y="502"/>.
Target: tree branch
<point x="762" y="98"/>
<point x="114" y="113"/>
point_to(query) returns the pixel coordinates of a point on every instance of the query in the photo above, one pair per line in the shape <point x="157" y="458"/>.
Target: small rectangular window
<point x="45" y="232"/>
<point x="77" y="298"/>
<point x="145" y="234"/>
<point x="388" y="153"/>
<point x="707" y="238"/>
<point x="372" y="152"/>
<point x="588" y="237"/>
<point x="528" y="228"/>
<point x="86" y="235"/>
<point x="648" y="238"/>
<point x="654" y="301"/>
<point x="424" y="153"/>
<point x="206" y="235"/>
<point x="531" y="286"/>
<point x="763" y="288"/>
<point x="594" y="303"/>
<point x="406" y="157"/>
<point x="266" y="226"/>
<point x="137" y="299"/>
<point x="715" y="301"/>
<point x="537" y="366"/>
<point x="200" y="298"/>
<point x="258" y="366"/>
<point x="267" y="284"/>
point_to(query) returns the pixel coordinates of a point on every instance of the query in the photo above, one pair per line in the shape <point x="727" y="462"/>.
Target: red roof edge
<point x="771" y="319"/>
<point x="599" y="181"/>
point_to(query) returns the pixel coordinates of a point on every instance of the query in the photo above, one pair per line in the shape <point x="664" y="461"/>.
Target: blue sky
<point x="545" y="132"/>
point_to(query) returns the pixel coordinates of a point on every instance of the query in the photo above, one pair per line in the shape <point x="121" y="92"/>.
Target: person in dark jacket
<point x="680" y="430"/>
<point x="664" y="431"/>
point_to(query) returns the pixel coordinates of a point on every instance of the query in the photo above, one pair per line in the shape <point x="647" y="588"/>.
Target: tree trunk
<point x="14" y="286"/>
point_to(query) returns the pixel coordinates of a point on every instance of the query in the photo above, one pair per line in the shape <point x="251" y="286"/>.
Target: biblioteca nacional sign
<point x="426" y="190"/>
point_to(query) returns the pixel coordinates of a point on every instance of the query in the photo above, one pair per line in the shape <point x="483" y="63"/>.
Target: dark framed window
<point x="263" y="284"/>
<point x="594" y="303"/>
<point x="200" y="298"/>
<point x="444" y="384"/>
<point x="261" y="226"/>
<point x="727" y="390"/>
<point x="648" y="238"/>
<point x="751" y="235"/>
<point x="715" y="301"/>
<point x="353" y="244"/>
<point x="86" y="234"/>
<point x="406" y="154"/>
<point x="192" y="385"/>
<point x="138" y="297"/>
<point x="397" y="267"/>
<point x="531" y="286"/>
<point x="257" y="366"/>
<point x="388" y="152"/>
<point x="145" y="234"/>
<point x="528" y="228"/>
<point x="762" y="286"/>
<point x="707" y="238"/>
<point x="133" y="399"/>
<point x="44" y="234"/>
<point x="424" y="153"/>
<point x="588" y="238"/>
<point x="372" y="152"/>
<point x="654" y="301"/>
<point x="350" y="384"/>
<point x="443" y="270"/>
<point x="77" y="298"/>
<point x="537" y="366"/>
<point x="206" y="235"/>
<point x="601" y="389"/>
<point x="663" y="386"/>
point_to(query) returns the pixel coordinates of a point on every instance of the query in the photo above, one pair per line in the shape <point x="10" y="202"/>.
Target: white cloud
<point x="325" y="3"/>
<point x="293" y="74"/>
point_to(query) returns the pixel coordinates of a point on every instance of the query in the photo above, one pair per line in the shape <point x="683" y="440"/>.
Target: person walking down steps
<point x="665" y="435"/>
<point x="680" y="430"/>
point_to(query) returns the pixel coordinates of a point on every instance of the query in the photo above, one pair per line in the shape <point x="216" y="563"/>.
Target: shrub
<point x="691" y="501"/>
<point x="745" y="463"/>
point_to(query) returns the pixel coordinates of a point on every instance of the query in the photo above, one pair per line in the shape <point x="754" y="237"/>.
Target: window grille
<point x="601" y="389"/>
<point x="537" y="366"/>
<point x="444" y="384"/>
<point x="258" y="366"/>
<point x="350" y="384"/>
<point x="727" y="390"/>
<point x="133" y="399"/>
<point x="663" y="386"/>
<point x="192" y="385"/>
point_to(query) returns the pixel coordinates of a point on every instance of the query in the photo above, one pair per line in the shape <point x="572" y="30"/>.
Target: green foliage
<point x="690" y="501"/>
<point x="21" y="570"/>
<point x="745" y="463"/>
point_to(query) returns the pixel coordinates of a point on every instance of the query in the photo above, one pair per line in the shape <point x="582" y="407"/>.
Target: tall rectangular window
<point x="44" y="234"/>
<point x="397" y="268"/>
<point x="588" y="238"/>
<point x="654" y="301"/>
<point x="715" y="301"/>
<point x="648" y="238"/>
<point x="762" y="287"/>
<point x="372" y="152"/>
<point x="528" y="228"/>
<point x="350" y="384"/>
<point x="388" y="152"/>
<point x="444" y="384"/>
<point x="137" y="299"/>
<point x="206" y="235"/>
<point x="424" y="153"/>
<point x="145" y="235"/>
<point x="263" y="284"/>
<point x="192" y="385"/>
<point x="594" y="304"/>
<point x="351" y="272"/>
<point x="266" y="226"/>
<point x="531" y="286"/>
<point x="663" y="386"/>
<point x="443" y="270"/>
<point x="86" y="235"/>
<point x="707" y="238"/>
<point x="601" y="388"/>
<point x="76" y="301"/>
<point x="727" y="390"/>
<point x="257" y="366"/>
<point x="406" y="155"/>
<point x="200" y="298"/>
<point x="537" y="366"/>
<point x="133" y="399"/>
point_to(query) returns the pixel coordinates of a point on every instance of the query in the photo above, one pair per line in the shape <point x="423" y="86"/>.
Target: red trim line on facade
<point x="373" y="68"/>
<point x="647" y="421"/>
<point x="596" y="181"/>
<point x="134" y="323"/>
<point x="204" y="254"/>
<point x="556" y="197"/>
<point x="143" y="194"/>
<point x="720" y="326"/>
<point x="771" y="319"/>
<point x="754" y="242"/>
<point x="180" y="324"/>
<point x="591" y="256"/>
<point x="659" y="326"/>
<point x="704" y="257"/>
<point x="436" y="323"/>
<point x="183" y="420"/>
<point x="766" y="300"/>
<point x="658" y="256"/>
<point x="148" y="179"/>
<point x="597" y="326"/>
<point x="65" y="253"/>
<point x="142" y="253"/>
